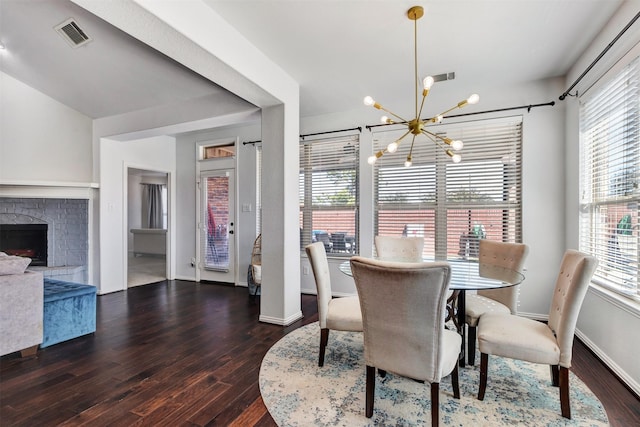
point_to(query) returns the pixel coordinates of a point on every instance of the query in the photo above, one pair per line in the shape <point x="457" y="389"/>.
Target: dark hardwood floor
<point x="181" y="353"/>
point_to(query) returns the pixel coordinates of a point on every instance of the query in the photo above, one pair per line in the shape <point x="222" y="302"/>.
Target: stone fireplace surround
<point x="67" y="233"/>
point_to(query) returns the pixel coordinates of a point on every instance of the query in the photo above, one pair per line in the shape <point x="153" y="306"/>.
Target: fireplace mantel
<point x="38" y="189"/>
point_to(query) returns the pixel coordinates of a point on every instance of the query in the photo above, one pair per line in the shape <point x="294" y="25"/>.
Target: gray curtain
<point x="154" y="205"/>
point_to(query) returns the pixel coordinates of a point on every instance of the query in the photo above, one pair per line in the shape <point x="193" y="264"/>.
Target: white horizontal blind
<point x="452" y="205"/>
<point x="610" y="179"/>
<point x="258" y="189"/>
<point x="329" y="200"/>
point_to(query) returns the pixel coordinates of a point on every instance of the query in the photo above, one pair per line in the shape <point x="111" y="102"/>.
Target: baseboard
<point x="633" y="385"/>
<point x="186" y="278"/>
<point x="282" y="322"/>
<point x="333" y="294"/>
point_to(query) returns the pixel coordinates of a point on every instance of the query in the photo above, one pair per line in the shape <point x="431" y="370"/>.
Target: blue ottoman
<point x="69" y="311"/>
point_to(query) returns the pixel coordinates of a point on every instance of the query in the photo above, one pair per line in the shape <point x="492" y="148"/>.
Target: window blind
<point x="258" y="189"/>
<point x="451" y="205"/>
<point x="610" y="178"/>
<point x="329" y="199"/>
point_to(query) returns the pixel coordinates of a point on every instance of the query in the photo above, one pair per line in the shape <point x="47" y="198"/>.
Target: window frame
<point x="600" y="199"/>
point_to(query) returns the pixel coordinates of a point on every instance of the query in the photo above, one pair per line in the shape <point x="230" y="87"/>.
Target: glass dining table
<point x="467" y="276"/>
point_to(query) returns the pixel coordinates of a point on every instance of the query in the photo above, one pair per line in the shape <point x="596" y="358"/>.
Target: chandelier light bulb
<point x="427" y="82"/>
<point x="457" y="145"/>
<point x="372" y="159"/>
<point x="369" y="101"/>
<point x="473" y="99"/>
<point x="439" y="118"/>
<point x="408" y="163"/>
<point x="455" y="158"/>
<point x="393" y="147"/>
<point x="384" y="119"/>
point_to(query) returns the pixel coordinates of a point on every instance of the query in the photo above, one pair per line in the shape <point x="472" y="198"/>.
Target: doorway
<point x="147" y="224"/>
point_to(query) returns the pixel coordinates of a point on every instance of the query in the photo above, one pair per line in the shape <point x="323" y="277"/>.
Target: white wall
<point x="607" y="323"/>
<point x="57" y="149"/>
<point x="116" y="157"/>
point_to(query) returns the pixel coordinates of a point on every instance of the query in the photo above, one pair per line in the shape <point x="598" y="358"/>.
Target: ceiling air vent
<point x="72" y="33"/>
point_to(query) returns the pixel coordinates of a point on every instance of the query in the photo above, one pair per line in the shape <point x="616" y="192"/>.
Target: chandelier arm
<point x="392" y="113"/>
<point x="434" y="136"/>
<point x="458" y="105"/>
<point x="424" y="97"/>
<point x="437" y="139"/>
<point x="429" y="136"/>
<point x="402" y="137"/>
<point x="411" y="149"/>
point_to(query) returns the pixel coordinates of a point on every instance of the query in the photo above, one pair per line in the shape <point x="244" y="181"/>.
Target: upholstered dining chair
<point x="504" y="300"/>
<point x="403" y="305"/>
<point x="550" y="343"/>
<point x="399" y="248"/>
<point x="339" y="314"/>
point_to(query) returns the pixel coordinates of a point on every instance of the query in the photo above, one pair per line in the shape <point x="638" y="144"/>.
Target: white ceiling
<point x="113" y="74"/>
<point x="338" y="51"/>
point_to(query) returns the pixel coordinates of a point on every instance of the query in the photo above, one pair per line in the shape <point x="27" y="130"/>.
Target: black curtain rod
<point x="564" y="95"/>
<point x="528" y="107"/>
<point x="359" y="129"/>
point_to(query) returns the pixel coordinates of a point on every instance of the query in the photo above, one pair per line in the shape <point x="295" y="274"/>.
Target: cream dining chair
<point x="403" y="304"/>
<point x="550" y="343"/>
<point x="339" y="314"/>
<point x="399" y="248"/>
<point x="504" y="300"/>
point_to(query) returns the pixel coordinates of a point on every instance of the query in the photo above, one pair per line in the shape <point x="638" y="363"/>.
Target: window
<point x="217" y="151"/>
<point x="452" y="205"/>
<point x="329" y="194"/>
<point x="610" y="178"/>
<point x="221" y="149"/>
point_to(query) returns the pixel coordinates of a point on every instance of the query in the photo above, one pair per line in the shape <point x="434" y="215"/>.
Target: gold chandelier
<point x="417" y="126"/>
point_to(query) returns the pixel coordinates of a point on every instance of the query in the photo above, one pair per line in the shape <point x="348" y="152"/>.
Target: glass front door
<point x="217" y="226"/>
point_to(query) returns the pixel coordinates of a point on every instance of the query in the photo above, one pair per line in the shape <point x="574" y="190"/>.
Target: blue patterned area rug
<point x="299" y="393"/>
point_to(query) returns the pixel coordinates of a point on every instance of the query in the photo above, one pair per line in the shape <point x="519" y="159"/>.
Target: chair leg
<point x="324" y="339"/>
<point x="455" y="383"/>
<point x="554" y="375"/>
<point x="471" y="344"/>
<point x="382" y="373"/>
<point x="435" y="403"/>
<point x="484" y="366"/>
<point x="370" y="388"/>
<point x="565" y="406"/>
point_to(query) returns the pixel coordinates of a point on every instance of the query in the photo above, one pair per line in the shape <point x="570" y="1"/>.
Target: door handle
<point x="230" y="231"/>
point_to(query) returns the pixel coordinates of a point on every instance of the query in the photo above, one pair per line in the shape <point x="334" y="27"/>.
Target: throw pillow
<point x="13" y="264"/>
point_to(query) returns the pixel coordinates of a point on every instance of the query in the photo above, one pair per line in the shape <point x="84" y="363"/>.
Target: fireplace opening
<point x="28" y="240"/>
